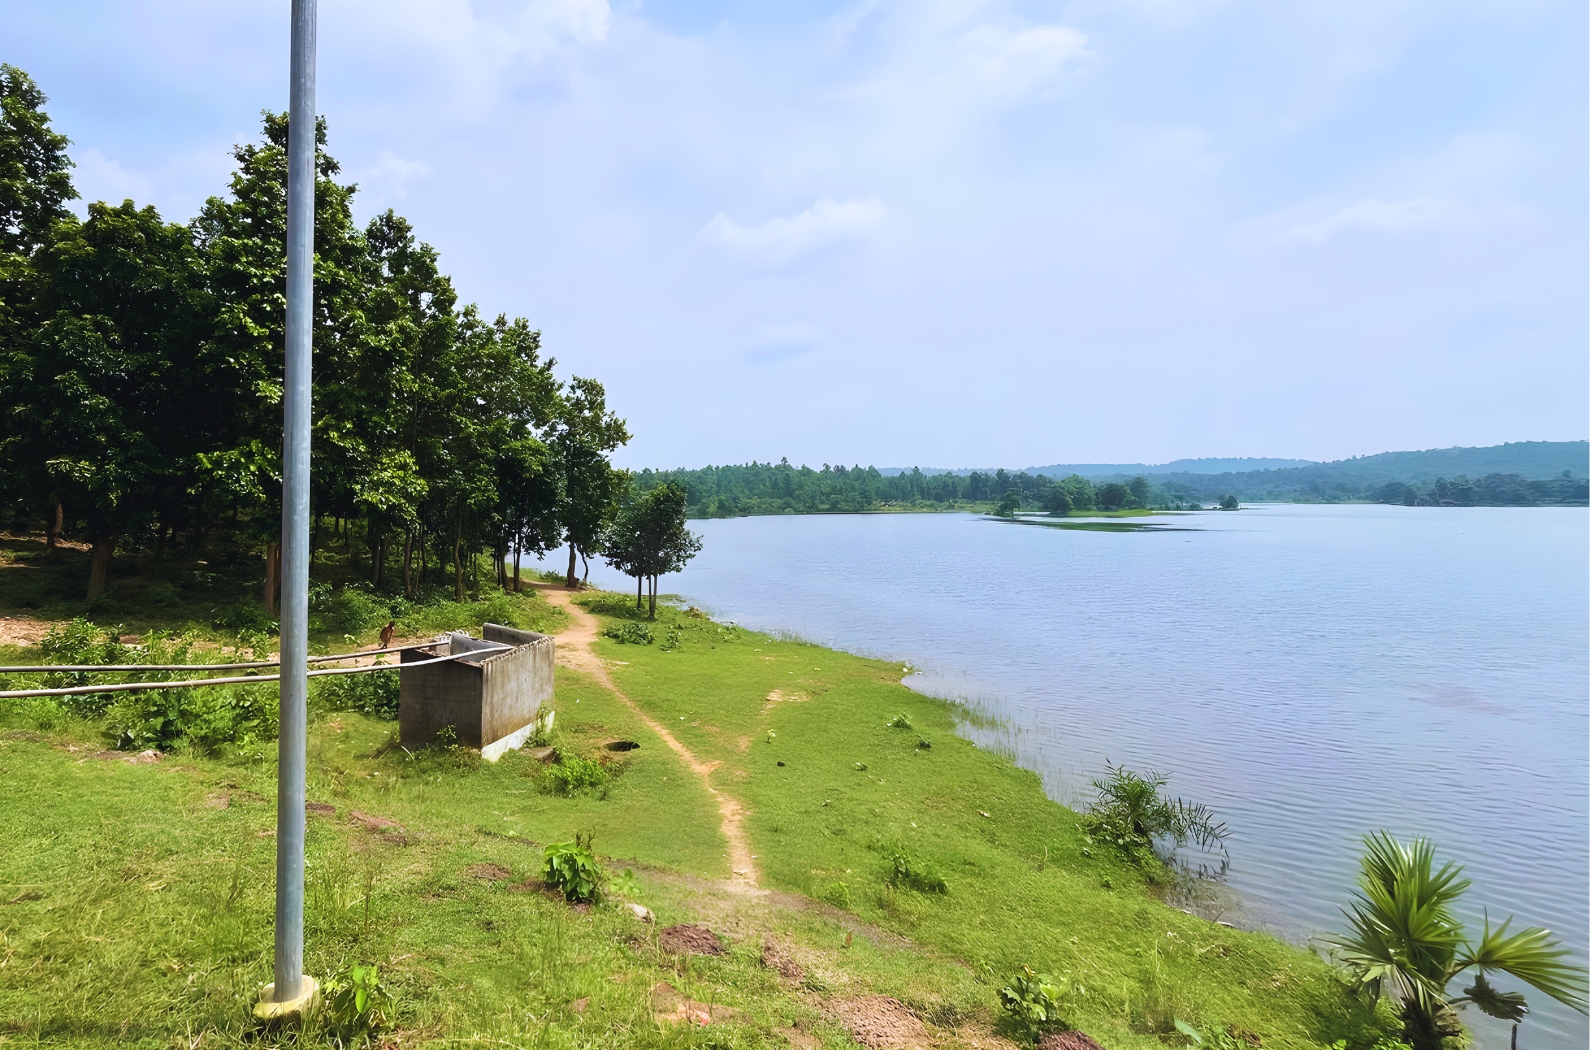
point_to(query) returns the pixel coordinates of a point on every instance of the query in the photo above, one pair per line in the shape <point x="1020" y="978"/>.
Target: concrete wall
<point x="516" y="682"/>
<point x="487" y="698"/>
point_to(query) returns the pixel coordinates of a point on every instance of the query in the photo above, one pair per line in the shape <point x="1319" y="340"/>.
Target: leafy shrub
<point x="357" y="1002"/>
<point x="1133" y="815"/>
<point x="907" y="871"/>
<point x="79" y="641"/>
<point x="628" y="633"/>
<point x="610" y="603"/>
<point x="373" y="693"/>
<point x="244" y="616"/>
<point x="1034" y="1002"/>
<point x="162" y="594"/>
<point x="899" y="722"/>
<point x="570" y="774"/>
<point x="527" y="612"/>
<point x="349" y="610"/>
<point x="226" y="718"/>
<point x="572" y="868"/>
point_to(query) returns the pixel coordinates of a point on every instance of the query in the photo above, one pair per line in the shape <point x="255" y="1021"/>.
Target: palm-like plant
<point x="1405" y="941"/>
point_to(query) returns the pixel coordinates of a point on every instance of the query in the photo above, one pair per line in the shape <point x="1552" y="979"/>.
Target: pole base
<point x="268" y="1009"/>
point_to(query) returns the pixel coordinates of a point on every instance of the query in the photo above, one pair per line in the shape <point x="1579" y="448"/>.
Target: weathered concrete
<point x="491" y="699"/>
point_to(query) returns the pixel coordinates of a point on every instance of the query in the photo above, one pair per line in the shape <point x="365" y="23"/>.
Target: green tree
<point x="1057" y="501"/>
<point x="649" y="539"/>
<point x="584" y="432"/>
<point x="35" y="184"/>
<point x="1405" y="940"/>
<point x="1079" y="490"/>
<point x="1112" y="495"/>
<point x="1228" y="503"/>
<point x="1139" y="488"/>
<point x="101" y="398"/>
<point x="1009" y="504"/>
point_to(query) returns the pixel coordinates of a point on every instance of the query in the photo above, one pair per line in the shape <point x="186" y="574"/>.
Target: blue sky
<point x="945" y="233"/>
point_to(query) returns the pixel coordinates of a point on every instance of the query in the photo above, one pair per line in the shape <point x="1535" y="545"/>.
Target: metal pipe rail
<point x="63" y="668"/>
<point x="251" y="679"/>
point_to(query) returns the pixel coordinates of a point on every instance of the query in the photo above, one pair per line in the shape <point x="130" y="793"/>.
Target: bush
<point x="1034" y="1002"/>
<point x="79" y="641"/>
<point x="569" y="775"/>
<point x="228" y="718"/>
<point x="611" y="603"/>
<point x="572" y="868"/>
<point x="373" y="693"/>
<point x="346" y="611"/>
<point x="357" y="1003"/>
<point x="907" y="871"/>
<point x="1133" y="815"/>
<point x="628" y="633"/>
<point x="244" y="616"/>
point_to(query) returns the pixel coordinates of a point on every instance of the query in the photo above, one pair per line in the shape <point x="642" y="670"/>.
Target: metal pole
<point x="289" y="963"/>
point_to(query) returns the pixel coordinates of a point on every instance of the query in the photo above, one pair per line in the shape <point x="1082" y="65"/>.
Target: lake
<point x="1311" y="672"/>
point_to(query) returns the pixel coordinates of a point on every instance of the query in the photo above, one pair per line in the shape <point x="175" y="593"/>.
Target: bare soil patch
<point x="1067" y="1041"/>
<point x="881" y="1023"/>
<point x="777" y="957"/>
<point x="689" y="939"/>
<point x="672" y="1008"/>
<point x="488" y="872"/>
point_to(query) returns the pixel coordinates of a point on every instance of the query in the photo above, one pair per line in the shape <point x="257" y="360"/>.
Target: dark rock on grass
<point x="688" y="939"/>
<point x="1072" y="1040"/>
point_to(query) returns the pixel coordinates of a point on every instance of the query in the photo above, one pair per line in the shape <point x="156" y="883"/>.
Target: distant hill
<point x="1179" y="466"/>
<point x="1523" y="473"/>
<point x="1100" y="470"/>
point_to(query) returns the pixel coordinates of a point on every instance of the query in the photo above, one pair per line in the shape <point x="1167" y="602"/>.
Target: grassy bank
<point x="136" y="894"/>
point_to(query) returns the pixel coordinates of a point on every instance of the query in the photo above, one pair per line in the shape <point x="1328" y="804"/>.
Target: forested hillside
<point x="1519" y="474"/>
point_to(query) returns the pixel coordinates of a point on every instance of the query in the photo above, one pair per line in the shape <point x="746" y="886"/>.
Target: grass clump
<point x="570" y="775"/>
<point x="908" y="872"/>
<point x="628" y="633"/>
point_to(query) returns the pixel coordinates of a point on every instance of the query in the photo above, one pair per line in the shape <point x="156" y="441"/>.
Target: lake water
<point x="1311" y="672"/>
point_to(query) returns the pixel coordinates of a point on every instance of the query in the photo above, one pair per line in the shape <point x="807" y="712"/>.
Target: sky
<point x="936" y="232"/>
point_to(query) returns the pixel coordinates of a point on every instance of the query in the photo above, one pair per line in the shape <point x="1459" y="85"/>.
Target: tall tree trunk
<point x="425" y="563"/>
<point x="99" y="564"/>
<point x="571" y="582"/>
<point x="273" y="576"/>
<point x="640" y="581"/>
<point x="587" y="563"/>
<point x="408" y="564"/>
<point x="57" y="522"/>
<point x="160" y="543"/>
<point x="377" y="557"/>
<point x="651" y="595"/>
<point x="458" y="564"/>
<point x="518" y="556"/>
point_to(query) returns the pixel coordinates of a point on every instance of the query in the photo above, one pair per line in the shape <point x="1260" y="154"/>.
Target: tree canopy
<point x="141" y="370"/>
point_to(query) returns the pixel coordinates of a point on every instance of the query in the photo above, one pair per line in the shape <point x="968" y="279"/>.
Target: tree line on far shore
<point x="781" y="488"/>
<point x="141" y="385"/>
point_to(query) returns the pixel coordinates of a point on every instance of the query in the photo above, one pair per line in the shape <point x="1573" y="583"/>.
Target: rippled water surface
<point x="1313" y="673"/>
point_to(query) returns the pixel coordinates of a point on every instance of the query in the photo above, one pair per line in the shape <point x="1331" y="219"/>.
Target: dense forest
<point x="141" y="381"/>
<point x="1521" y="474"/>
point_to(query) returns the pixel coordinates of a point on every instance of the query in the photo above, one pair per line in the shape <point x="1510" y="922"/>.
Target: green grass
<point x="854" y="791"/>
<point x="136" y="898"/>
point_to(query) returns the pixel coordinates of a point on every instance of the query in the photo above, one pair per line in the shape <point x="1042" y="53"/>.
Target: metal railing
<point x="190" y="683"/>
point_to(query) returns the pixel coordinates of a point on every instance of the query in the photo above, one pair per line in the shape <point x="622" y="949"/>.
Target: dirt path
<point x="574" y="652"/>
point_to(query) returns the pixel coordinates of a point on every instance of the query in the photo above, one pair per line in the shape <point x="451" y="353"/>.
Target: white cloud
<point x="782" y="342"/>
<point x="783" y="238"/>
<point x="1009" y="64"/>
<point x="101" y="178"/>
<point x="1436" y="213"/>
<point x="387" y="181"/>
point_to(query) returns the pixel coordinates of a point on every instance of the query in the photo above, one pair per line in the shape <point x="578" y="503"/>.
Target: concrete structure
<point x="491" y="699"/>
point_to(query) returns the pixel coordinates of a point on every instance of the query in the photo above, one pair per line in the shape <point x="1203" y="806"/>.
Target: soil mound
<point x="688" y="939"/>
